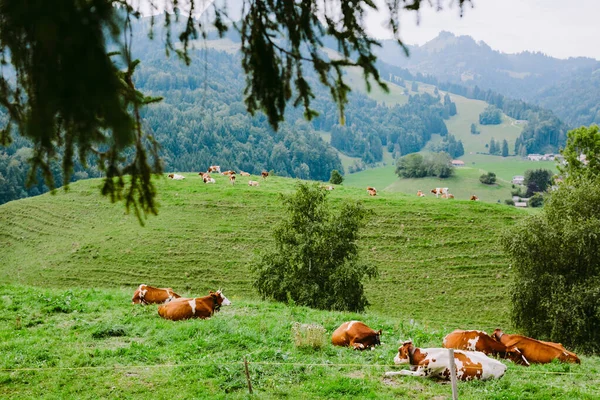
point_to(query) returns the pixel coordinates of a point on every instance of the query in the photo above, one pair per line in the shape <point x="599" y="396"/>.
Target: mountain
<point x="567" y="87"/>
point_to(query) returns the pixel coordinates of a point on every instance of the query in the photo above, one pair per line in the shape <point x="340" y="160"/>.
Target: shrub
<point x="509" y="202"/>
<point x="488" y="179"/>
<point x="418" y="166"/>
<point x="315" y="261"/>
<point x="556" y="287"/>
<point x="308" y="335"/>
<point x="537" y="200"/>
<point x="105" y="331"/>
<point x="336" y="178"/>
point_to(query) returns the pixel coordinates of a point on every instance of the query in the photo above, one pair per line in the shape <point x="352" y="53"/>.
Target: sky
<point x="558" y="28"/>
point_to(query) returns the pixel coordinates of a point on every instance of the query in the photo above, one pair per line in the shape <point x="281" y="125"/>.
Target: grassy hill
<point x="71" y="262"/>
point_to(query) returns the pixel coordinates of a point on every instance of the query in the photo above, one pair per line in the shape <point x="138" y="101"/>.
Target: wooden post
<point x="247" y="375"/>
<point x="453" y="375"/>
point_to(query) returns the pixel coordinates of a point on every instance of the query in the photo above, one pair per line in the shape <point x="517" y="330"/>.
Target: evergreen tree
<point x="474" y="130"/>
<point x="414" y="87"/>
<point x="504" y="148"/>
<point x="493" y="149"/>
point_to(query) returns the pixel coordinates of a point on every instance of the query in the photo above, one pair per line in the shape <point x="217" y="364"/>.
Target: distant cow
<point x="327" y="187"/>
<point x="449" y="196"/>
<point x="438" y="191"/>
<point x="200" y="307"/>
<point x="214" y="168"/>
<point x="474" y="198"/>
<point x="232" y="179"/>
<point x="357" y="335"/>
<point x="176" y="177"/>
<point x="536" y="351"/>
<point x="145" y="294"/>
<point x="242" y="173"/>
<point x="435" y="363"/>
<point x="372" y="192"/>
<point x="420" y="194"/>
<point x="481" y="341"/>
<point x="228" y="173"/>
<point x="208" y="180"/>
<point x="252" y="183"/>
<point x="264" y="174"/>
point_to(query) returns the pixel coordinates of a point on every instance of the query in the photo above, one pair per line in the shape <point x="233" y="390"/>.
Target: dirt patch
<point x="356" y="374"/>
<point x="390" y="382"/>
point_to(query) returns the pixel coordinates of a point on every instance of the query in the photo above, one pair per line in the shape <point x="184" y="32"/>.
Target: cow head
<point x="404" y="353"/>
<point x="497" y="335"/>
<point x="220" y="299"/>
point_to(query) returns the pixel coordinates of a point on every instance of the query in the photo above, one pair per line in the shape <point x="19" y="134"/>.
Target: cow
<point x="214" y="168"/>
<point x="242" y="173"/>
<point x="176" y="177"/>
<point x="357" y="335"/>
<point x="480" y="341"/>
<point x="474" y="198"/>
<point x="420" y="194"/>
<point x="536" y="351"/>
<point x="435" y="363"/>
<point x="145" y="294"/>
<point x="199" y="307"/>
<point x="327" y="187"/>
<point x="264" y="174"/>
<point x="449" y="196"/>
<point x="372" y="193"/>
<point x="228" y="173"/>
<point x="252" y="183"/>
<point x="438" y="191"/>
<point x="232" y="179"/>
<point x="208" y="180"/>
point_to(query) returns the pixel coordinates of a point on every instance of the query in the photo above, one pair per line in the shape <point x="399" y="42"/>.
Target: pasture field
<point x="505" y="167"/>
<point x="92" y="343"/>
<point x="71" y="261"/>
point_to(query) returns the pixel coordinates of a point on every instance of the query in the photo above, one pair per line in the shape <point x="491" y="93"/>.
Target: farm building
<point x="518" y="180"/>
<point x="458" y="163"/>
<point x="535" y="157"/>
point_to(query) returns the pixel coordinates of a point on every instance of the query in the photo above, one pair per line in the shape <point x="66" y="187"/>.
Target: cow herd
<point x="471" y="357"/>
<point x="208" y="179"/>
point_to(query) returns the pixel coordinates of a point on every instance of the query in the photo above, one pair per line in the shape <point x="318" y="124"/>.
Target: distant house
<point x="549" y="157"/>
<point x="520" y="204"/>
<point x="583" y="159"/>
<point x="535" y="157"/>
<point x="518" y="180"/>
<point x="458" y="163"/>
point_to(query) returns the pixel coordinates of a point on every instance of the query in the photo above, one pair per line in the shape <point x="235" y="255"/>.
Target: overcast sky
<point x="559" y="28"/>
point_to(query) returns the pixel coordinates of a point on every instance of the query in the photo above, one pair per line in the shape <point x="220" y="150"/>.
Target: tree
<point x="69" y="94"/>
<point x="488" y="179"/>
<point x="474" y="130"/>
<point x="414" y="87"/>
<point x="336" y="178"/>
<point x="493" y="148"/>
<point x="554" y="254"/>
<point x="504" y="148"/>
<point x="315" y="261"/>
<point x="537" y="180"/>
<point x="490" y="116"/>
<point x="418" y="166"/>
<point x="582" y="141"/>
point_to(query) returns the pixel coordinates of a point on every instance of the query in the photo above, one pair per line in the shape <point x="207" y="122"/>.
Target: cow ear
<point x="380" y="332"/>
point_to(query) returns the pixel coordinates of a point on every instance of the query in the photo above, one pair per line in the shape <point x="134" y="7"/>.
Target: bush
<point x="490" y="116"/>
<point x="336" y="178"/>
<point x="537" y="200"/>
<point x="418" y="166"/>
<point x="308" y="335"/>
<point x="315" y="261"/>
<point x="555" y="257"/>
<point x="509" y="202"/>
<point x="488" y="179"/>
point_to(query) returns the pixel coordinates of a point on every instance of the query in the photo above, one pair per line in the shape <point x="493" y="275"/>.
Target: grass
<point x="151" y="357"/>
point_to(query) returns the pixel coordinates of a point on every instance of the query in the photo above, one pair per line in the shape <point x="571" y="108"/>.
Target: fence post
<point x="247" y="375"/>
<point x="453" y="375"/>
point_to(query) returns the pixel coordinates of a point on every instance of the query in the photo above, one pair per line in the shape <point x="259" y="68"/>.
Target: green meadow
<point x="71" y="262"/>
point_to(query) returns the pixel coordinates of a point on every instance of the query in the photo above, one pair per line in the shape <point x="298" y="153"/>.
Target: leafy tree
<point x="504" y="148"/>
<point x="555" y="257"/>
<point x="537" y="200"/>
<point x="488" y="179"/>
<point x="490" y="116"/>
<point x="474" y="130"/>
<point x="419" y="166"/>
<point x="537" y="180"/>
<point x="336" y="178"/>
<point x="582" y="141"/>
<point x="493" y="147"/>
<point x="316" y="261"/>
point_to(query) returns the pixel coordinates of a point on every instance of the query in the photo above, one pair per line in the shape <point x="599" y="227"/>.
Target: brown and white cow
<point x="145" y="294"/>
<point x="232" y="179"/>
<point x="264" y="174"/>
<point x="242" y="173"/>
<point x="230" y="172"/>
<point x="435" y="363"/>
<point x="474" y="198"/>
<point x="327" y="187"/>
<point x="536" y="351"/>
<point x="208" y="179"/>
<point x="176" y="177"/>
<point x="357" y="335"/>
<point x="438" y="191"/>
<point x="449" y="196"/>
<point x="214" y="168"/>
<point x="420" y="194"/>
<point x="480" y="341"/>
<point x="372" y="192"/>
<point x="252" y="183"/>
<point x="199" y="307"/>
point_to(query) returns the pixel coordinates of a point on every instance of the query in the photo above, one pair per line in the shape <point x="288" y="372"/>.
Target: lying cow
<point x="208" y="179"/>
<point x="228" y="173"/>
<point x="481" y="341"/>
<point x="252" y="183"/>
<point x="372" y="192"/>
<point x="145" y="294"/>
<point x="438" y="191"/>
<point x="420" y="194"/>
<point x="435" y="363"/>
<point x="536" y="351"/>
<point x="200" y="307"/>
<point x="176" y="177"/>
<point x="327" y="187"/>
<point x="242" y="173"/>
<point x="474" y="198"/>
<point x="357" y="335"/>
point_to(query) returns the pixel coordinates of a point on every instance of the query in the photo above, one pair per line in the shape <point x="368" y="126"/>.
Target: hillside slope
<point x="205" y="236"/>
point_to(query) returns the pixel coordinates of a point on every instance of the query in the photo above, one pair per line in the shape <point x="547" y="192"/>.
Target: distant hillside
<point x="568" y="87"/>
